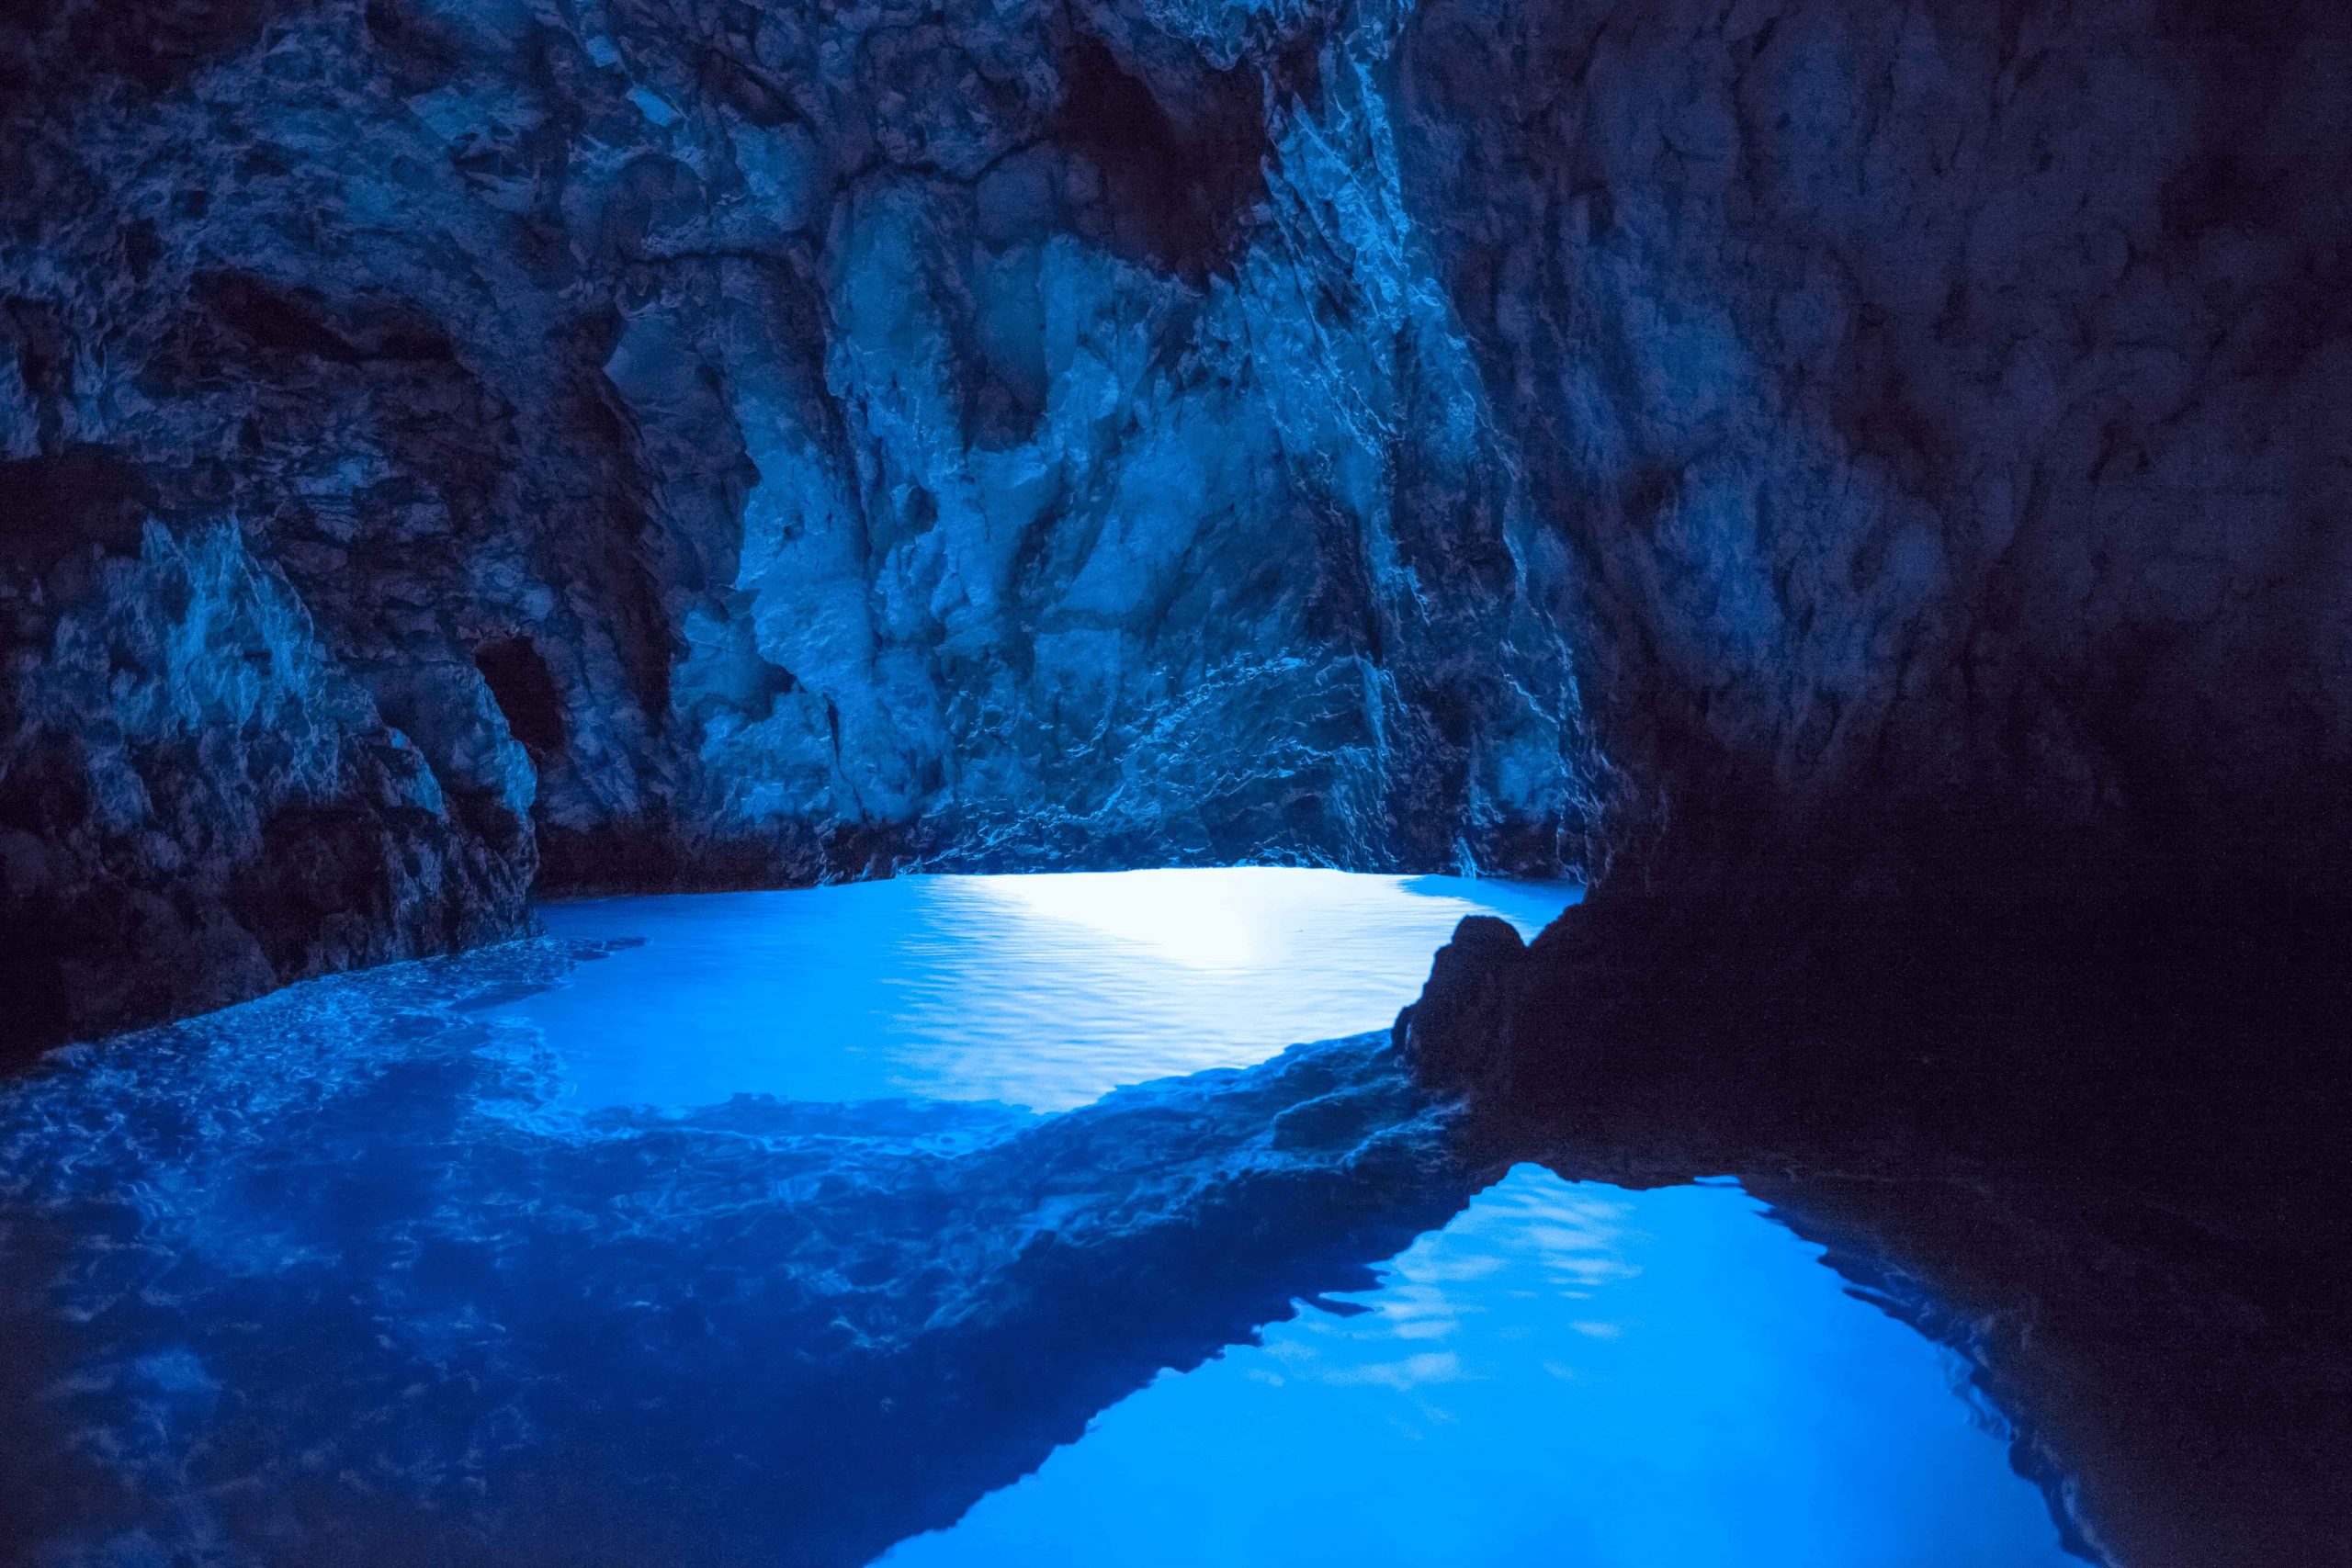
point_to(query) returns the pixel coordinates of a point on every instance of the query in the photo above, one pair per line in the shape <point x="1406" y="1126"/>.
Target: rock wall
<point x="198" y="801"/>
<point x="734" y="442"/>
<point x="1945" y="406"/>
<point x="1891" y="451"/>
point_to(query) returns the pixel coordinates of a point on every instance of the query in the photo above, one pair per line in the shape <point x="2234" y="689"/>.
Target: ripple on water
<point x="1041" y="991"/>
<point x="374" y="1270"/>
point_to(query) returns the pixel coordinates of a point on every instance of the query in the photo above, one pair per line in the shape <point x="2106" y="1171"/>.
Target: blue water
<point x="1038" y="991"/>
<point x="813" y="1228"/>
<point x="1567" y="1372"/>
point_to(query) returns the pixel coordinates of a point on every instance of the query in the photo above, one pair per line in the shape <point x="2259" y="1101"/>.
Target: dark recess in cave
<point x="419" y="55"/>
<point x="156" y="45"/>
<point x="53" y="505"/>
<point x="526" y="692"/>
<point x="1176" y="190"/>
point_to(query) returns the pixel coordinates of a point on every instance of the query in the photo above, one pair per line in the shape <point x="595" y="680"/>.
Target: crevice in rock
<point x="1181" y="157"/>
<point x="526" y="692"/>
<point x="84" y="495"/>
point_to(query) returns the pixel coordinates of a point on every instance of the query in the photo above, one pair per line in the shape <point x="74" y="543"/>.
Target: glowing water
<point x="1041" y="991"/>
<point x="1567" y="1373"/>
<point x="607" y="1248"/>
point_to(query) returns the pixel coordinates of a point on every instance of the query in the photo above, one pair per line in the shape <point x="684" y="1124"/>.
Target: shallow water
<point x="601" y="1248"/>
<point x="1038" y="991"/>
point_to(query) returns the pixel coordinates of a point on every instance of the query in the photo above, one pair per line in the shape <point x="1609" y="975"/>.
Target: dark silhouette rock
<point x="1451" y="1033"/>
<point x="1942" y="407"/>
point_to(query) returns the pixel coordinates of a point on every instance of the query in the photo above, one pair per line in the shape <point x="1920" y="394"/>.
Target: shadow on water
<point x="271" y="1299"/>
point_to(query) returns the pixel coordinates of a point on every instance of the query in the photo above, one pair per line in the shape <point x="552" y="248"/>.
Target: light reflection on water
<point x="1040" y="991"/>
<point x="710" y="1248"/>
<point x="1567" y="1372"/>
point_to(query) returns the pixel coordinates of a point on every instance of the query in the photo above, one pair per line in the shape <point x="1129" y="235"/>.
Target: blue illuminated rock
<point x="1887" y="448"/>
<point x="821" y="441"/>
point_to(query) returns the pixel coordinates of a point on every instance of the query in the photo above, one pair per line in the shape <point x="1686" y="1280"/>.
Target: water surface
<point x="967" y="1220"/>
<point x="1567" y="1372"/>
<point x="1040" y="991"/>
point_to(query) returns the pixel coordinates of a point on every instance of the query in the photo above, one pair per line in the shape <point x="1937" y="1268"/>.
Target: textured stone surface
<point x="758" y="444"/>
<point x="1944" y="405"/>
<point x="1898" y="448"/>
<point x="197" y="802"/>
<point x="1946" y="408"/>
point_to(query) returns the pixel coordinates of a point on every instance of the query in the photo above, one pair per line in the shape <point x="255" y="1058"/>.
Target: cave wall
<point x="1888" y="450"/>
<point x="1945" y="404"/>
<point x="694" y="443"/>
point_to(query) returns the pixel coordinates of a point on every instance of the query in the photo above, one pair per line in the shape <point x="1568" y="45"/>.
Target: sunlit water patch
<point x="602" y="1248"/>
<point x="1041" y="991"/>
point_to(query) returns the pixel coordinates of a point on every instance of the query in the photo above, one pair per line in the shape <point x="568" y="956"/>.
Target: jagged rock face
<point x="734" y="442"/>
<point x="198" y="803"/>
<point x="743" y="442"/>
<point x="1945" y="405"/>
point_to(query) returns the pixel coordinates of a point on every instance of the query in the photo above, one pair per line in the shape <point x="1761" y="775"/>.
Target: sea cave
<point x="1218" y="782"/>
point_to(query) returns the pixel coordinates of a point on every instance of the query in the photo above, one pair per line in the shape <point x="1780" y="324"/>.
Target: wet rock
<point x="1454" y="1034"/>
<point x="196" y="803"/>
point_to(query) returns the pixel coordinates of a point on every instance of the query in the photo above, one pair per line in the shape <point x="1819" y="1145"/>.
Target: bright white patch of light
<point x="1213" y="919"/>
<point x="1044" y="991"/>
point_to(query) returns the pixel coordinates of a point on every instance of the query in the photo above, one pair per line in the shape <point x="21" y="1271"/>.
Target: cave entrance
<point x="524" y="689"/>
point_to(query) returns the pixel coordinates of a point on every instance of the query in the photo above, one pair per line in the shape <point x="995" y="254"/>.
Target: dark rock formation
<point x="1943" y="405"/>
<point x="2062" y="1041"/>
<point x="733" y="444"/>
<point x="1944" y="409"/>
<point x="197" y="802"/>
<point x="2024" y="1143"/>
